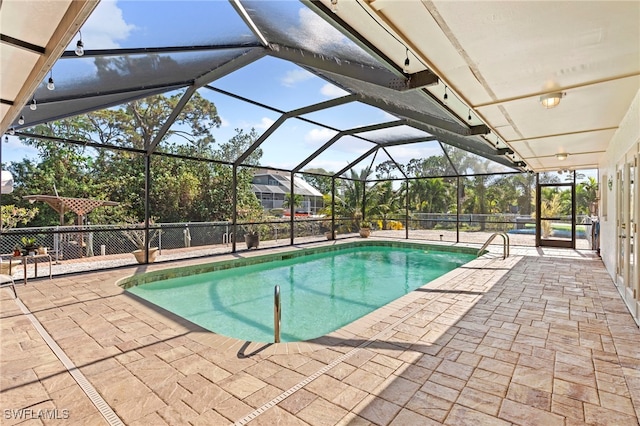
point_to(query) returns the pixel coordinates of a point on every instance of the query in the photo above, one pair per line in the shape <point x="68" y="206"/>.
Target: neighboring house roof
<point x="301" y="186"/>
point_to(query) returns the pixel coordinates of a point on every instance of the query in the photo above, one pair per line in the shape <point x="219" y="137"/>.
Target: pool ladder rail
<point x="277" y="313"/>
<point x="505" y="244"/>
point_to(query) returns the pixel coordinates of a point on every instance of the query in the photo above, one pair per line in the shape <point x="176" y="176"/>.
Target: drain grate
<point x="110" y="416"/>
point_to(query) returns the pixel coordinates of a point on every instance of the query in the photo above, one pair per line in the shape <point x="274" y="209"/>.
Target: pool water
<point x="320" y="292"/>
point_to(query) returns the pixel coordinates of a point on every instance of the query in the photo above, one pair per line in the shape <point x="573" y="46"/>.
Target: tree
<point x="181" y="189"/>
<point x="436" y="165"/>
<point x="12" y="216"/>
<point x="385" y="169"/>
<point x="385" y="202"/>
<point x="586" y="194"/>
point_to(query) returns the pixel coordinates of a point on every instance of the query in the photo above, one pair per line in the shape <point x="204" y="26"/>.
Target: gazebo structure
<point x="62" y="205"/>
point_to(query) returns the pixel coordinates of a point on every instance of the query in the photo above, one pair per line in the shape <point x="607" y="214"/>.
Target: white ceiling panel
<point x="597" y="106"/>
<point x="583" y="142"/>
<point x="19" y="63"/>
<point x="31" y="21"/>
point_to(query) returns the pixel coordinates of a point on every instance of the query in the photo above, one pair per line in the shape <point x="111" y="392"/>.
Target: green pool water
<point x="320" y="292"/>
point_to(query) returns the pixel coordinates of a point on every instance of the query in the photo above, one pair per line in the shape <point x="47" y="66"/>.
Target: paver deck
<point x="541" y="338"/>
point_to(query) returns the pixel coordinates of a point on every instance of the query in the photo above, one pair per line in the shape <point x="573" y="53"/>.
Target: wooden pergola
<point x="79" y="206"/>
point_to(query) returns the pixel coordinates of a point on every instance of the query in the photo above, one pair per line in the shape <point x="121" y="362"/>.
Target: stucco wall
<point x="626" y="137"/>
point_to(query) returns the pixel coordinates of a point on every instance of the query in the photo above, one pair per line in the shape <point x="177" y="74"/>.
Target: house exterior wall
<point x="623" y="147"/>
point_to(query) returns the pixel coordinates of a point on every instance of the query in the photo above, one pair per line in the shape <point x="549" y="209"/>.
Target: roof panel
<point x="292" y="24"/>
<point x="88" y="77"/>
<point x="395" y="134"/>
<point x="467" y="163"/>
<point x="56" y="110"/>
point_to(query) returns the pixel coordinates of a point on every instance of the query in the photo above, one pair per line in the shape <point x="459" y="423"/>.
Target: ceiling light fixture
<point x="406" y="62"/>
<point x="21" y="120"/>
<point x="334" y="6"/>
<point x="551" y="100"/>
<point x="561" y="156"/>
<point x="469" y="117"/>
<point x="33" y="105"/>
<point x="50" y="84"/>
<point x="12" y="131"/>
<point x="445" y="93"/>
<point x="80" y="45"/>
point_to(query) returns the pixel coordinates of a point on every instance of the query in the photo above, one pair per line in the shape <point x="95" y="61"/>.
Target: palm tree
<point x="385" y="202"/>
<point x="297" y="201"/>
<point x="586" y="194"/>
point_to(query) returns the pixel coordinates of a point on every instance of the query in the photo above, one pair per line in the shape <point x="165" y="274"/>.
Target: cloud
<point x="224" y="122"/>
<point x="317" y="136"/>
<point x="264" y="124"/>
<point x="293" y="77"/>
<point x="105" y="28"/>
<point x="329" y="165"/>
<point x="331" y="91"/>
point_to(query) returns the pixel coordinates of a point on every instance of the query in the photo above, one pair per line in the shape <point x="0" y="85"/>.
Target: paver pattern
<point x="541" y="338"/>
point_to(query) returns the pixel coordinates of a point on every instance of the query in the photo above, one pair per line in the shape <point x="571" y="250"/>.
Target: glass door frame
<point x="545" y="242"/>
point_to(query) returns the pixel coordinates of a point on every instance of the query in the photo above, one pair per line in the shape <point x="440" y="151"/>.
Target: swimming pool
<point x="321" y="291"/>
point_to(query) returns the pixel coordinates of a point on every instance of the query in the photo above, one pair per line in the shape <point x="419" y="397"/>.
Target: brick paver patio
<point x="541" y="338"/>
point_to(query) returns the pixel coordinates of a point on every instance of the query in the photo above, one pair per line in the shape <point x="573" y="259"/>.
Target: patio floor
<point x="539" y="338"/>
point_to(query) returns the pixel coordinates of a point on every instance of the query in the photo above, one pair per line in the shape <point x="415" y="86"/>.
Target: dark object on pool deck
<point x="252" y="239"/>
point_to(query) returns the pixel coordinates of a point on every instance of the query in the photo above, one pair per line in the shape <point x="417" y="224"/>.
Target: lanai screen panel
<point x="232" y="126"/>
<point x="280" y="84"/>
<point x="92" y="77"/>
<point x="172" y="23"/>
<point x="422" y="159"/>
<point x="414" y="100"/>
<point x="56" y="110"/>
<point x="425" y="112"/>
<point x="467" y="163"/>
<point x="350" y="116"/>
<point x="399" y="134"/>
<point x="292" y="142"/>
<point x="341" y="154"/>
<point x="292" y="24"/>
<point x="382" y="166"/>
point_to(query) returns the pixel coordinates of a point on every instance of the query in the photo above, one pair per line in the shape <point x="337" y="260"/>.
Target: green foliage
<point x="297" y="201"/>
<point x="12" y="216"/>
<point x="28" y="242"/>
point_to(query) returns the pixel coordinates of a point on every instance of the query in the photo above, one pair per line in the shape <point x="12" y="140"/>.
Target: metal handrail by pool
<point x="505" y="245"/>
<point x="276" y="314"/>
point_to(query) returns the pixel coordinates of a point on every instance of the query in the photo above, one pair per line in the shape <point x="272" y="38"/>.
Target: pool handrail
<point x="276" y="314"/>
<point x="505" y="245"/>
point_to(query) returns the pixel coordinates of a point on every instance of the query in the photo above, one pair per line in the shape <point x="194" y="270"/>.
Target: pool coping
<point x="359" y="330"/>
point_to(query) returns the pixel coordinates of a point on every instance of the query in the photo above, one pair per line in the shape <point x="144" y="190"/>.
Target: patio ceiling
<point x="494" y="59"/>
<point x="499" y="57"/>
